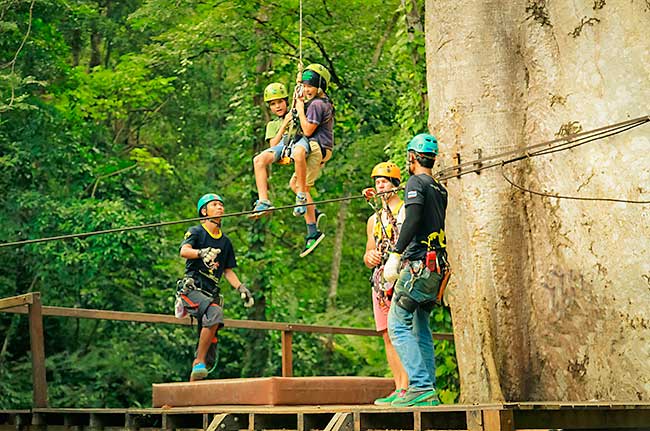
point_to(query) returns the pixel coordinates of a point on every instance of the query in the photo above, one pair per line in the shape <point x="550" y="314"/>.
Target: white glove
<point x="246" y="295"/>
<point x="208" y="255"/>
<point x="392" y="266"/>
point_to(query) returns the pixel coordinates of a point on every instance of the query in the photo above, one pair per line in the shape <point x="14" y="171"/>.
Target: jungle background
<point x="119" y="113"/>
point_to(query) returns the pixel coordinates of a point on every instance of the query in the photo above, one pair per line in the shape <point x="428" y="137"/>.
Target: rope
<point x="444" y="174"/>
<point x="558" y="196"/>
<point x="300" y="41"/>
<point x="542" y="148"/>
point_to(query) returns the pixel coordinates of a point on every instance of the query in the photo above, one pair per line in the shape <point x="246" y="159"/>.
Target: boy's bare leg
<point x="300" y="163"/>
<point x="205" y="339"/>
<point x="260" y="164"/>
<point x="310" y="215"/>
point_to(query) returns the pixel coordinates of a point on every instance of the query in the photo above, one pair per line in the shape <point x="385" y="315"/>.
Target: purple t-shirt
<point x="321" y="112"/>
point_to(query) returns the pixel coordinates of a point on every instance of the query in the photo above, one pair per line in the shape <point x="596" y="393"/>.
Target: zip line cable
<point x="543" y="148"/>
<point x="449" y="172"/>
<point x="169" y="223"/>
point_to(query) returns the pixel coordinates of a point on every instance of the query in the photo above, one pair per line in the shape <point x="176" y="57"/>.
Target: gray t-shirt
<point x="320" y="111"/>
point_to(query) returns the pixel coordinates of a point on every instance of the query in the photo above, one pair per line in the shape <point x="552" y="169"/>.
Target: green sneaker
<point x="415" y="398"/>
<point x="390" y="398"/>
<point x="311" y="242"/>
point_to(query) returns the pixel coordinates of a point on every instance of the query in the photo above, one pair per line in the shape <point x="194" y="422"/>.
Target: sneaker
<point x="199" y="371"/>
<point x="414" y="398"/>
<point x="261" y="208"/>
<point x="311" y="242"/>
<point x="390" y="398"/>
<point x="301" y="200"/>
<point x="319" y="217"/>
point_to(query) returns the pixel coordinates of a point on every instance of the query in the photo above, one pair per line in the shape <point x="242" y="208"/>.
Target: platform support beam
<point x="224" y="422"/>
<point x="37" y="346"/>
<point x="498" y="420"/>
<point x="341" y="422"/>
<point x="287" y="354"/>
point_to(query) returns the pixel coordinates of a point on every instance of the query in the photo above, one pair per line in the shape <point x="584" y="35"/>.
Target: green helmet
<point x="205" y="199"/>
<point x="309" y="78"/>
<point x="275" y="91"/>
<point x="423" y="143"/>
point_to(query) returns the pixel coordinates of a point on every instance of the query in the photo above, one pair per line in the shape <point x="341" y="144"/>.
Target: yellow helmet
<point x="274" y="91"/>
<point x="317" y="81"/>
<point x="389" y="170"/>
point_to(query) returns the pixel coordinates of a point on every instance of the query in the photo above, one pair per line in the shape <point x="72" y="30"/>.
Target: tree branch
<point x="380" y="45"/>
<point x="328" y="60"/>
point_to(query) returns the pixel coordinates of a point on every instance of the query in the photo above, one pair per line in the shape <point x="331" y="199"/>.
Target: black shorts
<point x="195" y="301"/>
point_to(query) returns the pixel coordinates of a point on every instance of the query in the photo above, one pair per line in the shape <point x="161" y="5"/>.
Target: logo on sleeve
<point x="187" y="234"/>
<point x="412" y="194"/>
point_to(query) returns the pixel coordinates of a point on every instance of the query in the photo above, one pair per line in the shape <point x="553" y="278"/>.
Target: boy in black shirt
<point x="209" y="255"/>
<point x="421" y="246"/>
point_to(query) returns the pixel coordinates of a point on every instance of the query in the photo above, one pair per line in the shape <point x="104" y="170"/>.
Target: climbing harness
<point x="294" y="127"/>
<point x="388" y="237"/>
<point x="183" y="287"/>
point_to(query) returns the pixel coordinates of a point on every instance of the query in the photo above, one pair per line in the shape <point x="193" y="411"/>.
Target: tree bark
<point x="549" y="299"/>
<point x="95" y="49"/>
<point x="337" y="254"/>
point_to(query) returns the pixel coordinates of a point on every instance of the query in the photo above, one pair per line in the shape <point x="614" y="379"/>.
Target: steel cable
<point x="444" y="174"/>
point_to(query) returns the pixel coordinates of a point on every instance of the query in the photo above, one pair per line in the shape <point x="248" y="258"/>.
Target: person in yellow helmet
<point x="316" y="116"/>
<point x="382" y="231"/>
<point x="277" y="99"/>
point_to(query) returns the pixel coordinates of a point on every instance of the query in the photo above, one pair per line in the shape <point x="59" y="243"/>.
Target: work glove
<point x="246" y="295"/>
<point x="368" y="193"/>
<point x="208" y="255"/>
<point x="392" y="266"/>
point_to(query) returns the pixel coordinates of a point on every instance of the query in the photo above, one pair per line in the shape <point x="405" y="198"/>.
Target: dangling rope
<point x="300" y="41"/>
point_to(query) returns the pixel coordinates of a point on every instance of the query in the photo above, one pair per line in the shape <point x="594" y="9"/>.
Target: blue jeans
<point x="277" y="149"/>
<point x="410" y="332"/>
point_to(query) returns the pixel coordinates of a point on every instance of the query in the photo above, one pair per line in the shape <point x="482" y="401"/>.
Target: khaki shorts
<point x="315" y="162"/>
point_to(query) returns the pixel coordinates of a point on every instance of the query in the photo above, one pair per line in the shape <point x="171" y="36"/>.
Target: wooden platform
<point x="272" y="391"/>
<point x="480" y="417"/>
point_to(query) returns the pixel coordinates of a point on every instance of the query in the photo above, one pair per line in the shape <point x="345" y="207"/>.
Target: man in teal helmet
<point x="418" y="262"/>
<point x="209" y="255"/>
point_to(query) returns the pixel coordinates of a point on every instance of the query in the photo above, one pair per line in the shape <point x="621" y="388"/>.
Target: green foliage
<point x="120" y="114"/>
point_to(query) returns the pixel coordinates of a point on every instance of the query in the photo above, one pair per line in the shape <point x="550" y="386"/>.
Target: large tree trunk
<point x="549" y="297"/>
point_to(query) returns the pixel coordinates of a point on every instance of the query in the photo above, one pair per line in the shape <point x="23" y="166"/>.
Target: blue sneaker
<point x="319" y="217"/>
<point x="301" y="199"/>
<point x="199" y="371"/>
<point x="261" y="208"/>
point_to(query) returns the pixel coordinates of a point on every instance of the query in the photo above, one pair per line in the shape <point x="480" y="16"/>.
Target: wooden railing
<point x="31" y="305"/>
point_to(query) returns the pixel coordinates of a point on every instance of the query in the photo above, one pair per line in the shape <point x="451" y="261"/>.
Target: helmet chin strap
<point x="215" y="222"/>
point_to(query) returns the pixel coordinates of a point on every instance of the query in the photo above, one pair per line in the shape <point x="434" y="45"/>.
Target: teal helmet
<point x="205" y="199"/>
<point x="423" y="143"/>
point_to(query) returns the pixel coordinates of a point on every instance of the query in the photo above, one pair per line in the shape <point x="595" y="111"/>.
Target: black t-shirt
<point x="424" y="191"/>
<point x="198" y="237"/>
